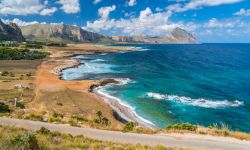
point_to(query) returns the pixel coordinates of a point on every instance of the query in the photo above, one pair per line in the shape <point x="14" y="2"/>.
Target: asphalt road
<point x="192" y="141"/>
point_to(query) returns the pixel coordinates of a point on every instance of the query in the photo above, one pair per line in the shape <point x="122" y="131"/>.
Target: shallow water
<point x="165" y="84"/>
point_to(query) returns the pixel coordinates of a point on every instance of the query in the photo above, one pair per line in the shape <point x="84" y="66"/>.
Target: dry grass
<point x="57" y="141"/>
<point x="216" y="130"/>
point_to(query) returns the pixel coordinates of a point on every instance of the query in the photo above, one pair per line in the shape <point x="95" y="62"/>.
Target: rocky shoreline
<point x="121" y="112"/>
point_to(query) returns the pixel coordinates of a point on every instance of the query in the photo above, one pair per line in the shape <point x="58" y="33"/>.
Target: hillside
<point x="61" y="33"/>
<point x="177" y="35"/>
<point x="10" y="32"/>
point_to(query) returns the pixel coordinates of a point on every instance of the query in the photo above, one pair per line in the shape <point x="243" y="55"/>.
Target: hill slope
<point x="10" y="32"/>
<point x="60" y="33"/>
<point x="177" y="35"/>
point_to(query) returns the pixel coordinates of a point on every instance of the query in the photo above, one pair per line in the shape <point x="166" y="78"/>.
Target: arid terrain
<point x="52" y="99"/>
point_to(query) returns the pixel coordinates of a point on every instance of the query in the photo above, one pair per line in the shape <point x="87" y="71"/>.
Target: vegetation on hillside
<point x="220" y="129"/>
<point x="20" y="54"/>
<point x="44" y="139"/>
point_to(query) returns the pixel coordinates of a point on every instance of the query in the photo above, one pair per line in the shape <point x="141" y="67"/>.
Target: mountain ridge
<point x="176" y="36"/>
<point x="10" y="32"/>
<point x="60" y="33"/>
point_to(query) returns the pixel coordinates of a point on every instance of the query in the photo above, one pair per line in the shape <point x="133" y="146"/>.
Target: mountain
<point x="10" y="32"/>
<point x="61" y="33"/>
<point x="177" y="35"/>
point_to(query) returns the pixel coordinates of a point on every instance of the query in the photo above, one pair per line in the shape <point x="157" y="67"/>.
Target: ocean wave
<point x="97" y="60"/>
<point x="123" y="81"/>
<point x="107" y="97"/>
<point x="143" y="49"/>
<point x="201" y="102"/>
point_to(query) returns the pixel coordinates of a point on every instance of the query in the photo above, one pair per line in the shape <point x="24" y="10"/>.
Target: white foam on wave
<point x="143" y="49"/>
<point x="97" y="60"/>
<point x="201" y="102"/>
<point x="123" y="81"/>
<point x="107" y="97"/>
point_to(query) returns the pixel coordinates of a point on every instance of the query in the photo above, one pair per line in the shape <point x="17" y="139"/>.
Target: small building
<point x="18" y="86"/>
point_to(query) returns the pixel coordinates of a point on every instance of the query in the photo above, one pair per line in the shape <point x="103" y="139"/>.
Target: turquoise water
<point x="165" y="84"/>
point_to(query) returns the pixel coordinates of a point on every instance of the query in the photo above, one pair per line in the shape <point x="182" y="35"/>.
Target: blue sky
<point x="208" y="20"/>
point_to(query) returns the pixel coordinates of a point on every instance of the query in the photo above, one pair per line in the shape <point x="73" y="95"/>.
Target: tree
<point x="99" y="115"/>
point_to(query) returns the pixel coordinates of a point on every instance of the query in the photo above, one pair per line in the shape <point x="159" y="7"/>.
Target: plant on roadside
<point x="182" y="126"/>
<point x="26" y="141"/>
<point x="129" y="126"/>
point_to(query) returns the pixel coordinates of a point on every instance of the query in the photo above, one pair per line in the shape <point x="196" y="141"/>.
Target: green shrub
<point x="20" y="105"/>
<point x="79" y="118"/>
<point x="7" y="53"/>
<point x="4" y="108"/>
<point x="25" y="141"/>
<point x="182" y="126"/>
<point x="34" y="117"/>
<point x="101" y="120"/>
<point x="56" y="114"/>
<point x="129" y="126"/>
<point x="5" y="73"/>
<point x="44" y="131"/>
<point x="59" y="104"/>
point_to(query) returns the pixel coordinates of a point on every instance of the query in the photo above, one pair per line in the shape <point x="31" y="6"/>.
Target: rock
<point x="10" y="32"/>
<point x="102" y="83"/>
<point x="60" y="33"/>
<point x="177" y="35"/>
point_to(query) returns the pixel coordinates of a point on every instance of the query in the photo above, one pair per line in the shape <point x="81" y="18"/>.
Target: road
<point x="192" y="141"/>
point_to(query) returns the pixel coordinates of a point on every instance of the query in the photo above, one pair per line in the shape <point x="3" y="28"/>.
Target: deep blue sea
<point x="165" y="84"/>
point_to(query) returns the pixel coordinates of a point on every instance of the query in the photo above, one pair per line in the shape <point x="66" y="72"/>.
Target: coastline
<point x="48" y="83"/>
<point x="124" y="112"/>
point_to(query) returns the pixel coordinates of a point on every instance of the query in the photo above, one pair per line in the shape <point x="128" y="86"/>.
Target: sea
<point x="202" y="84"/>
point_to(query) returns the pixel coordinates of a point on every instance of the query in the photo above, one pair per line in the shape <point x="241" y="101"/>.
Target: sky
<point x="211" y="21"/>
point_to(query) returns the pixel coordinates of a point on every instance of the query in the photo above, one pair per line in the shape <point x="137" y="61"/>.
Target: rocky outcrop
<point x="177" y="35"/>
<point x="10" y="32"/>
<point x="61" y="33"/>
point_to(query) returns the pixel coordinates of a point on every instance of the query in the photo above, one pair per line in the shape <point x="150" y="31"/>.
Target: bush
<point x="34" y="117"/>
<point x="44" y="131"/>
<point x="20" y="105"/>
<point x="78" y="118"/>
<point x="4" y="108"/>
<point x="129" y="126"/>
<point x="7" y="53"/>
<point x="182" y="126"/>
<point x="5" y="73"/>
<point x="26" y="141"/>
<point x="59" y="104"/>
<point x="56" y="114"/>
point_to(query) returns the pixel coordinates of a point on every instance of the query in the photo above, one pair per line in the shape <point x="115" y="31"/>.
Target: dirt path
<point x="170" y="140"/>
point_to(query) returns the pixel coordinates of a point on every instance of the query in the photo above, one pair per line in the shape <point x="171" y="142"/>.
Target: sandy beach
<point x="75" y="95"/>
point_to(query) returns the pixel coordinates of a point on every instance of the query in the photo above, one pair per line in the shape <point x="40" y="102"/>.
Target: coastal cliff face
<point x="10" y="32"/>
<point x="177" y="35"/>
<point x="60" y="33"/>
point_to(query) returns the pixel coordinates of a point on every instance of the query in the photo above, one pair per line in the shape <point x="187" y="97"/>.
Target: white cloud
<point x="25" y="7"/>
<point x="20" y="7"/>
<point x="131" y="3"/>
<point x="147" y="23"/>
<point x="158" y="9"/>
<point x="195" y="4"/>
<point x="19" y="22"/>
<point x="243" y="12"/>
<point x="97" y="1"/>
<point x="104" y="12"/>
<point x="48" y="11"/>
<point x="70" y="6"/>
<point x="214" y="23"/>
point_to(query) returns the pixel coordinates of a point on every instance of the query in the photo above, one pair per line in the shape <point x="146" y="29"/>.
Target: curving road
<point x="170" y="140"/>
